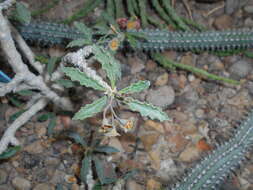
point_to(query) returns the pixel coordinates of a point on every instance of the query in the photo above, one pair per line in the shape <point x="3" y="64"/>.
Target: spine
<point x="214" y="168"/>
<point x="159" y="40"/>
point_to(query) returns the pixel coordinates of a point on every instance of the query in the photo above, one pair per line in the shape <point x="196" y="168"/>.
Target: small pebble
<point x="21" y="183"/>
<point x="199" y="113"/>
<point x="223" y="22"/>
<point x="153" y="184"/>
<point x="137" y="65"/>
<point x="240" y="69"/>
<point x="231" y="6"/>
<point x="132" y="185"/>
<point x="162" y="79"/>
<point x="248" y="9"/>
<point x="189" y="154"/>
<point x="162" y="96"/>
<point x="6" y="187"/>
<point x="43" y="186"/>
<point x="34" y="148"/>
<point x="3" y="176"/>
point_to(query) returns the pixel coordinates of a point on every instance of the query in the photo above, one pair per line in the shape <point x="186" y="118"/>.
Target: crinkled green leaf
<point x="42" y="59"/>
<point x="79" y="43"/>
<point x="106" y="149"/>
<point x="25" y="92"/>
<point x="51" y="65"/>
<point x="130" y="174"/>
<point x="146" y="109"/>
<point x="97" y="186"/>
<point x="135" y="87"/>
<point x="9" y="152"/>
<point x="91" y="109"/>
<point x="65" y="83"/>
<point x="84" y="29"/>
<point x="45" y="116"/>
<point x="14" y="116"/>
<point x="22" y="14"/>
<point x="16" y="102"/>
<point x="86" y="167"/>
<point x="77" y="75"/>
<point x="76" y="137"/>
<point x="132" y="41"/>
<point x="51" y="125"/>
<point x="109" y="64"/>
<point x="101" y="173"/>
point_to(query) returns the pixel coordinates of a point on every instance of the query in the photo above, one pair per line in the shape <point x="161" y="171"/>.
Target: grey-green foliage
<point x="91" y="151"/>
<point x="22" y="14"/>
<point x="112" y="69"/>
<point x="9" y="152"/>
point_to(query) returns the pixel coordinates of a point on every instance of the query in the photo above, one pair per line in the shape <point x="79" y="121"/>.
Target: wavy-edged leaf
<point x="76" y="137"/>
<point x="135" y="87"/>
<point x="16" y="102"/>
<point x="84" y="29"/>
<point x="25" y="92"/>
<point x="14" y="116"/>
<point x="45" y="116"/>
<point x="9" y="152"/>
<point x="51" y="65"/>
<point x="91" y="109"/>
<point x="106" y="149"/>
<point x="77" y="75"/>
<point x="51" y="125"/>
<point x="146" y="109"/>
<point x="78" y="43"/>
<point x="97" y="186"/>
<point x="109" y="64"/>
<point x="23" y="15"/>
<point x="65" y="83"/>
<point x="86" y="167"/>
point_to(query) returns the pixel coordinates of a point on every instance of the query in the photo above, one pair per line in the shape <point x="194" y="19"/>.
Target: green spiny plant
<point x="214" y="168"/>
<point x="227" y="157"/>
<point x="154" y="40"/>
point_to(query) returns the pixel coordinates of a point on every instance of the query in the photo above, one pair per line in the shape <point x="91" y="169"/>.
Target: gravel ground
<point x="203" y="113"/>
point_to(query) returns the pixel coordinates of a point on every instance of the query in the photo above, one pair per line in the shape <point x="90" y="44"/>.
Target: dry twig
<point x="24" y="79"/>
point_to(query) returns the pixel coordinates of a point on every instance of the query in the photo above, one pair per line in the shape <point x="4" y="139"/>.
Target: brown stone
<point x="152" y="184"/>
<point x="177" y="142"/>
<point x="149" y="140"/>
<point x="190" y="154"/>
<point x="155" y="159"/>
<point x="154" y="126"/>
<point x="223" y="22"/>
<point x="34" y="148"/>
<point x="150" y="65"/>
<point x="162" y="79"/>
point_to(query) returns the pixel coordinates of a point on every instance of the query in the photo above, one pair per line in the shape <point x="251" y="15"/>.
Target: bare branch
<point x="6" y="4"/>
<point x="26" y="50"/>
<point x="12" y="85"/>
<point x="9" y="134"/>
<point x="14" y="59"/>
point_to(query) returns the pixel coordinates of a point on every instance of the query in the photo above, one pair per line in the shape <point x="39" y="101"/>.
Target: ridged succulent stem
<point x="213" y="169"/>
<point x="155" y="40"/>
